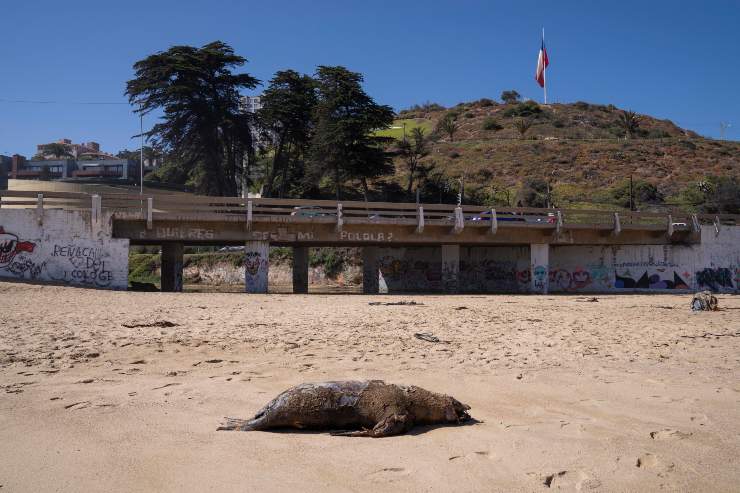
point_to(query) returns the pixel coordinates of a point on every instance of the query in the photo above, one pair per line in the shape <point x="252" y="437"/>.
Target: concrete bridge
<point x="414" y="247"/>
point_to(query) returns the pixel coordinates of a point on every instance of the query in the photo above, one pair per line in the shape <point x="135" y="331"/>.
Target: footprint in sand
<point x="669" y="434"/>
<point x="654" y="463"/>
<point x="388" y="474"/>
<point x="571" y="480"/>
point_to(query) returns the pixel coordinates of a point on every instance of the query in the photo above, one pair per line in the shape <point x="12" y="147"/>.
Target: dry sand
<point x="112" y="391"/>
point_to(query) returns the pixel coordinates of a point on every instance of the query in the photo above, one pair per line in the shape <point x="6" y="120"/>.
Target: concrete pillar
<point x="370" y="270"/>
<point x="256" y="266"/>
<point x="171" y="278"/>
<point x="300" y="270"/>
<point x="450" y="268"/>
<point x="539" y="264"/>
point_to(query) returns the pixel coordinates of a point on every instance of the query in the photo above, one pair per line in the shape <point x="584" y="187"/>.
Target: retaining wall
<point x="62" y="246"/>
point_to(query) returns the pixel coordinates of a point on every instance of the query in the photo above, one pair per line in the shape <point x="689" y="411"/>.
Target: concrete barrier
<point x="61" y="246"/>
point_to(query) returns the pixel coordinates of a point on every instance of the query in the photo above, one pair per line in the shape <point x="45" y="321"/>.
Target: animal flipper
<point x="395" y="424"/>
<point x="357" y="433"/>
<point x="235" y="424"/>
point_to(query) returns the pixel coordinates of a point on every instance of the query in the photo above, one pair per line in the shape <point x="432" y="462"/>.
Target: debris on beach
<point x="704" y="301"/>
<point x="395" y="303"/>
<point x="591" y="299"/>
<point x="142" y="286"/>
<point x="156" y="323"/>
<point x="426" y="336"/>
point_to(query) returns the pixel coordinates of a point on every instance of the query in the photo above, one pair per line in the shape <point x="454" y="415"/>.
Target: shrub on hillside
<point x="524" y="110"/>
<point x="720" y="195"/>
<point x="533" y="193"/>
<point x="642" y="193"/>
<point x="485" y="102"/>
<point x="558" y="123"/>
<point x="425" y="107"/>
<point x="491" y="124"/>
<point x="510" y="97"/>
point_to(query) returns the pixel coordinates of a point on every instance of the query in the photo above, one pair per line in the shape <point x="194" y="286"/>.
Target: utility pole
<point x="141" y="151"/>
<point x="723" y="126"/>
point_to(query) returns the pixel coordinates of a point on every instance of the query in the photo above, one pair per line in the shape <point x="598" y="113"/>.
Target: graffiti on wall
<point x="84" y="265"/>
<point x="493" y="275"/>
<point x="715" y="279"/>
<point x="539" y="278"/>
<point x="255" y="271"/>
<point x="592" y="277"/>
<point x="10" y="246"/>
<point x="660" y="279"/>
<point x="14" y="258"/>
<point x="401" y="274"/>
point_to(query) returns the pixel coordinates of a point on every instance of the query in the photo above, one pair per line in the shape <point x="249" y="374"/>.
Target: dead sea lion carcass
<point x="372" y="408"/>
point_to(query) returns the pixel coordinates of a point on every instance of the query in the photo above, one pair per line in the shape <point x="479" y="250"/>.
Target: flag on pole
<point x="542" y="63"/>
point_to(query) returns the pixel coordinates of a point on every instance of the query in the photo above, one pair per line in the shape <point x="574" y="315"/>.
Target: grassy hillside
<point x="402" y="125"/>
<point x="579" y="148"/>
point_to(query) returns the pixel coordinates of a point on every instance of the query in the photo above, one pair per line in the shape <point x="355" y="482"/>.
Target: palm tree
<point x="522" y="125"/>
<point x="630" y="122"/>
<point x="448" y="125"/>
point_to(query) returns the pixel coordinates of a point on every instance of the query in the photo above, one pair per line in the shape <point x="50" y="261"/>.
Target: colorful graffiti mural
<point x="255" y="271"/>
<point x="10" y="246"/>
<point x="563" y="280"/>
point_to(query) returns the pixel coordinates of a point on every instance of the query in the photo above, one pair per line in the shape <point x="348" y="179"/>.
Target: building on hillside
<point x="60" y="169"/>
<point x="85" y="150"/>
<point x="251" y="104"/>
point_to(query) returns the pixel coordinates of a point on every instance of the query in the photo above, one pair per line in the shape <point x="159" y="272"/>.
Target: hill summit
<point x="581" y="149"/>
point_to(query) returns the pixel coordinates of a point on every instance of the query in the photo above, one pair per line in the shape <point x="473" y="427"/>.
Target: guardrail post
<point x="670" y="225"/>
<point x="494" y="222"/>
<point x="420" y="220"/>
<point x="695" y="223"/>
<point x="559" y="224"/>
<point x="617" y="224"/>
<point x="716" y="225"/>
<point x="149" y="207"/>
<point x="249" y="215"/>
<point x="459" y="220"/>
<point x="40" y="208"/>
<point x="340" y="217"/>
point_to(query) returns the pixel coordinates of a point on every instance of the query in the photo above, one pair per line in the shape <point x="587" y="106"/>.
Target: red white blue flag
<point x="542" y="63"/>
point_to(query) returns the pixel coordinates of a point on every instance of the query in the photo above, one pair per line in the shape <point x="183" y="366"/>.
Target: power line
<point x="31" y="101"/>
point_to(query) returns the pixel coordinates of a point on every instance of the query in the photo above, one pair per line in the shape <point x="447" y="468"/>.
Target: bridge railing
<point x="134" y="206"/>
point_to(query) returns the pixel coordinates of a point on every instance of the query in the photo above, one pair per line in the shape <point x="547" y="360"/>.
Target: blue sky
<point x="671" y="59"/>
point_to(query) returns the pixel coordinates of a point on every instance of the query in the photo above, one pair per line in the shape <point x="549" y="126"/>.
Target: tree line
<point x="314" y="133"/>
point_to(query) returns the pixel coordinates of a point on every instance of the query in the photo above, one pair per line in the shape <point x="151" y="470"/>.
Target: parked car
<point x="549" y="217"/>
<point x="311" y="211"/>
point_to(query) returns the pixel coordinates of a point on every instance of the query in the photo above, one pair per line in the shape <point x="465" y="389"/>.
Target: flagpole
<point x="544" y="67"/>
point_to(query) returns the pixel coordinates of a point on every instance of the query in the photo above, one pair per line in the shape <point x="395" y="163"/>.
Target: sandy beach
<point x="116" y="391"/>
